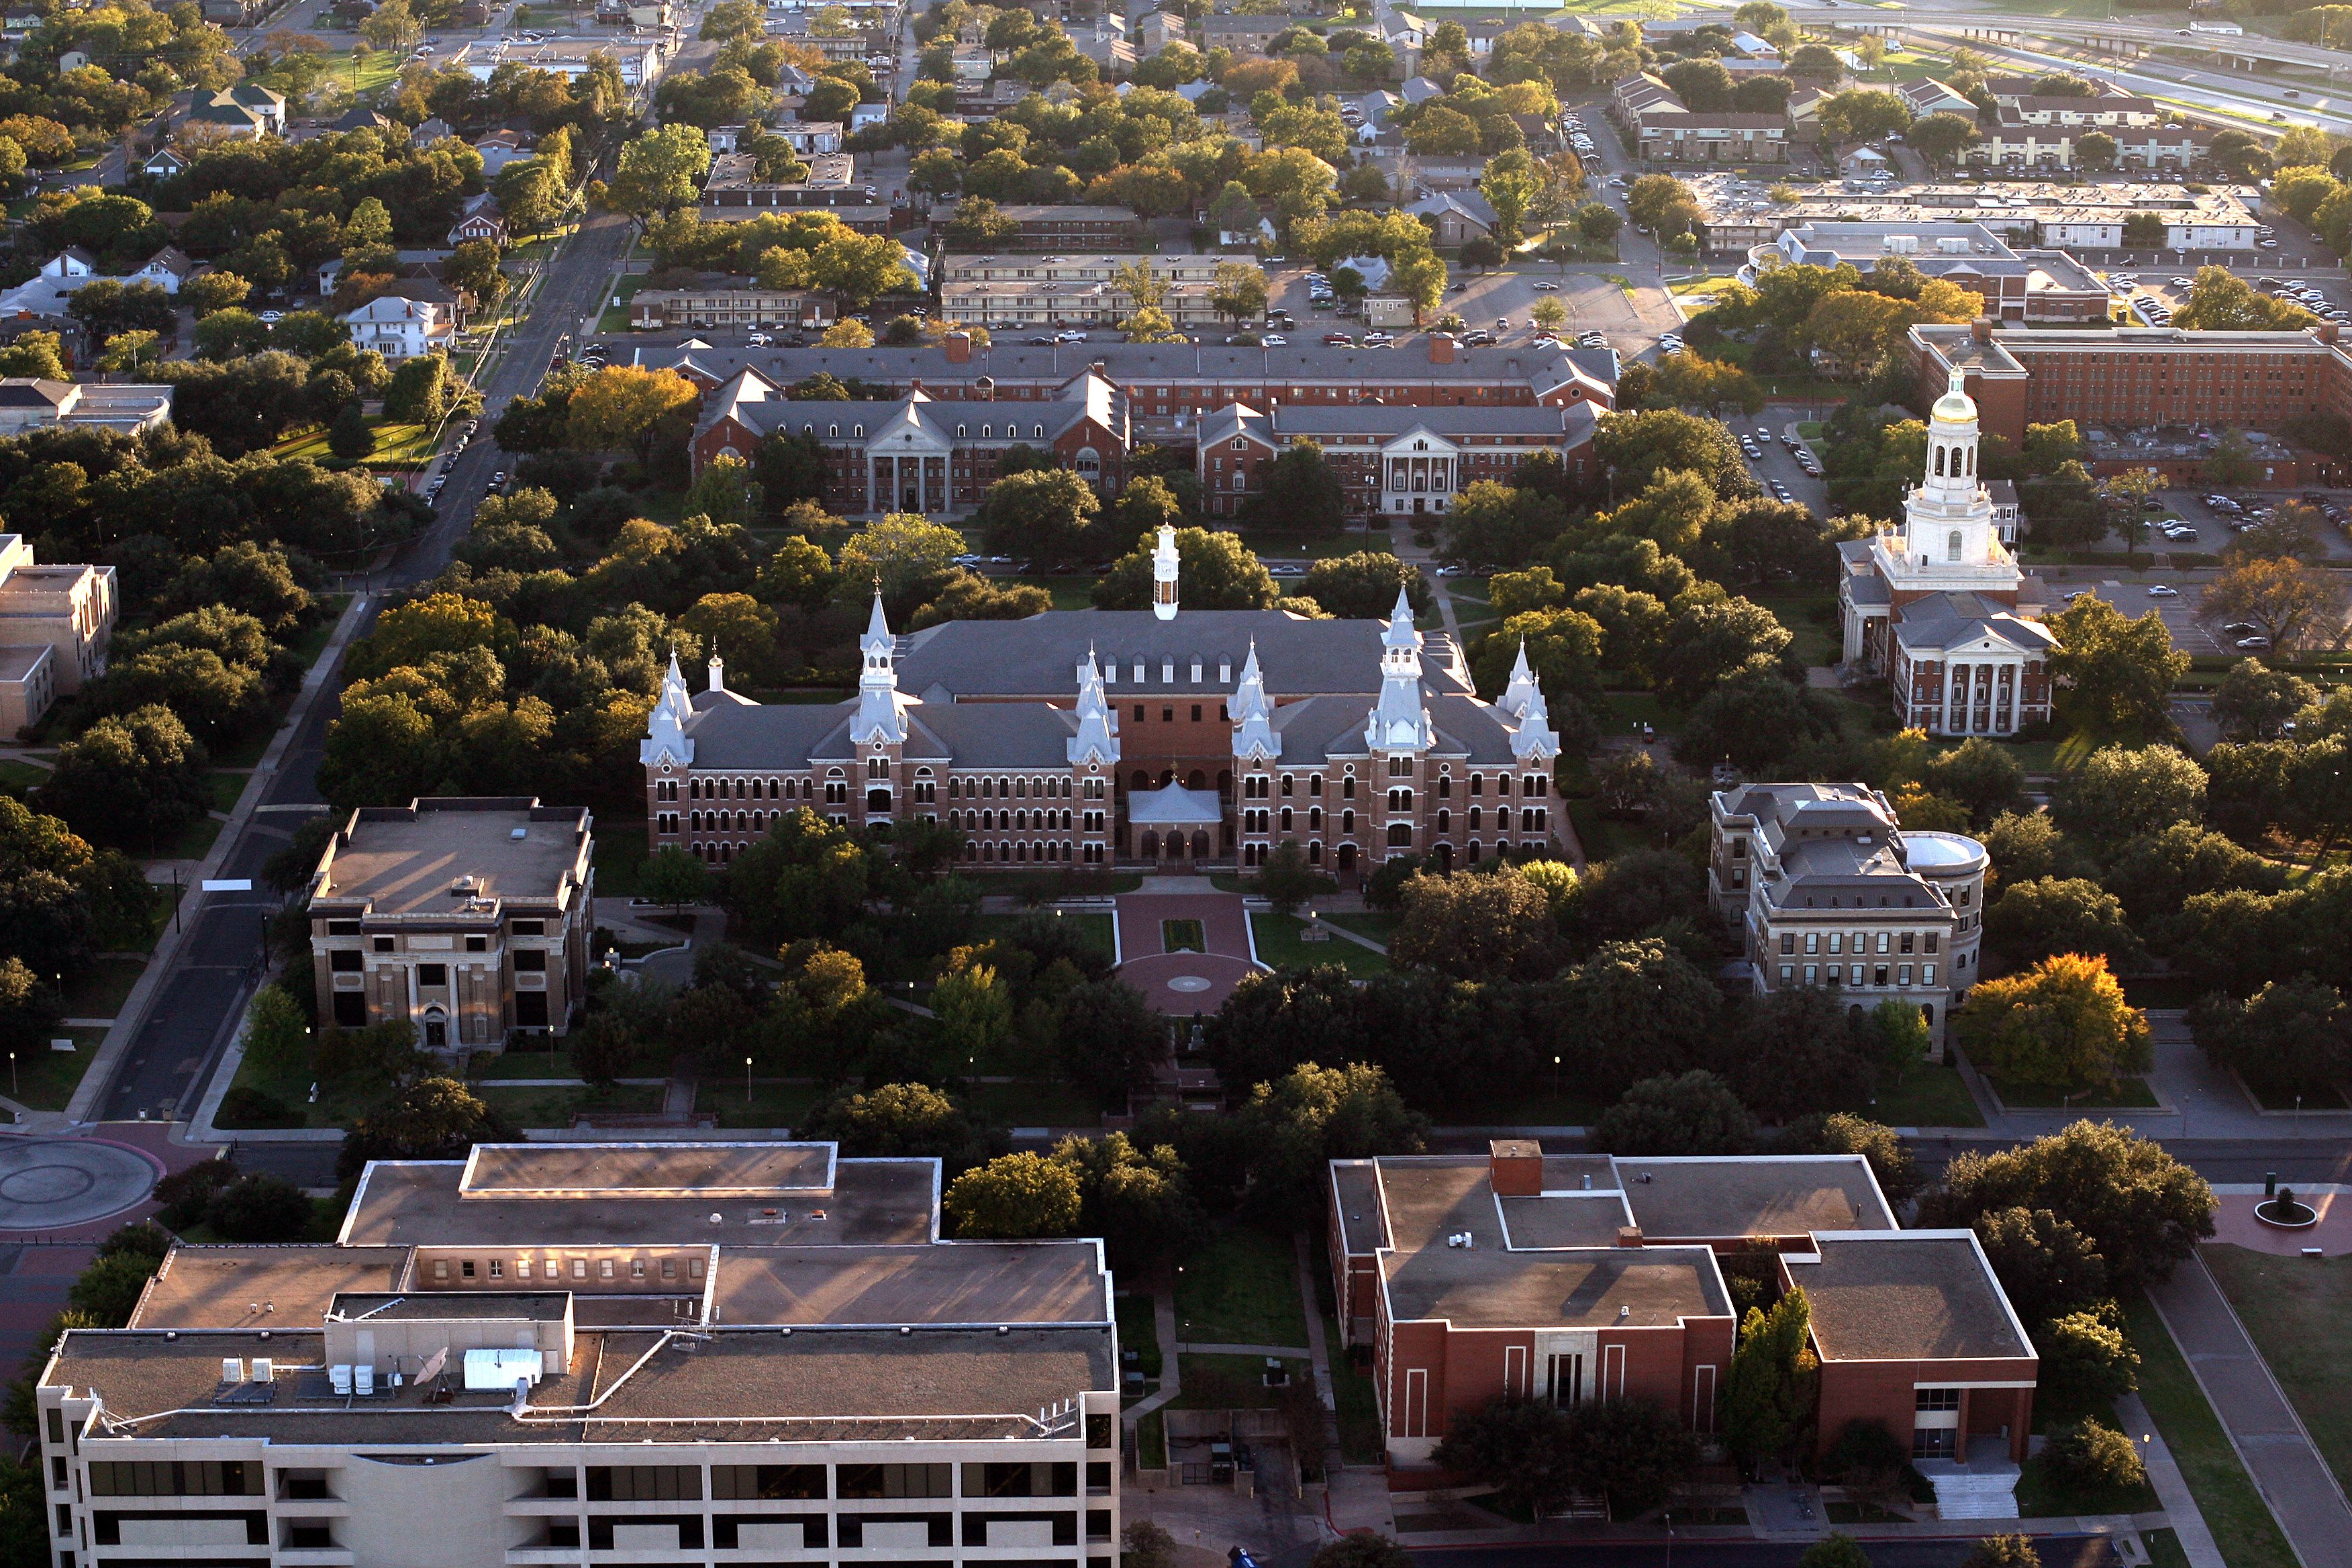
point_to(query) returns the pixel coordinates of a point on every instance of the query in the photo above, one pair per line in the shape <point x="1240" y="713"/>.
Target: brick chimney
<point x="2328" y="332"/>
<point x="958" y="346"/>
<point x="1629" y="1235"/>
<point x="1514" y="1165"/>
<point x="1441" y="348"/>
<point x="1981" y="329"/>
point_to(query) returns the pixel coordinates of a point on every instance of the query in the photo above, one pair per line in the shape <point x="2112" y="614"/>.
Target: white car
<point x="2163" y="591"/>
<point x="271" y="318"/>
<point x="1547" y="287"/>
<point x="1275" y="340"/>
<point x="1073" y="336"/>
<point x="758" y="340"/>
<point x="2181" y="282"/>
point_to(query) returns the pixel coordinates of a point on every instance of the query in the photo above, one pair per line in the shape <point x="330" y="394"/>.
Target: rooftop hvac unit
<point x="497" y="1369"/>
<point x="1953" y="245"/>
<point x="1902" y="244"/>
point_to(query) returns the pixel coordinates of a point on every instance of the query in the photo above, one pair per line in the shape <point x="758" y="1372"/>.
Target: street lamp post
<point x="747" y="1083"/>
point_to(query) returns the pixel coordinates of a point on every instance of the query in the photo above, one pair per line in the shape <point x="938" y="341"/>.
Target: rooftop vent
<point x="465" y="885"/>
<point x="520" y="833"/>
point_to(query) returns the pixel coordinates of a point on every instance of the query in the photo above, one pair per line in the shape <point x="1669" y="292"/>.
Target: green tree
<point x="419" y="393"/>
<point x="2222" y="302"/>
<point x="908" y="554"/>
<point x="276" y="1032"/>
<point x="431" y="1119"/>
<point x="2046" y="1266"/>
<point x="1299" y="1123"/>
<point x="351" y="436"/>
<point x="1521" y="1448"/>
<point x="2032" y="921"/>
<point x="1476" y="926"/>
<point x="1363" y="586"/>
<point x="2086" y="1360"/>
<point x="1361" y="1549"/>
<point x="2291" y="602"/>
<point x="900" y="1121"/>
<point x="1768" y="1393"/>
<point x="1300" y="491"/>
<point x="1835" y="1549"/>
<point x="660" y="169"/>
<point x="1696" y="1113"/>
<point x="2122" y="792"/>
<point x="674" y="878"/>
<point x="1014" y="1197"/>
<point x="2142" y="1210"/>
<point x="136" y="780"/>
<point x="2003" y="1551"/>
<point x="2062" y="1024"/>
<point x="1286" y="881"/>
<point x="1710" y="643"/>
<point x="262" y="1208"/>
<point x="107" y="1292"/>
<point x="1215" y="572"/>
<point x="1050" y="515"/>
<point x="2286" y="1037"/>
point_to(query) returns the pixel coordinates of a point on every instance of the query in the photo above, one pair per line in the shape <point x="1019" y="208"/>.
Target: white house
<point x="415" y="316"/>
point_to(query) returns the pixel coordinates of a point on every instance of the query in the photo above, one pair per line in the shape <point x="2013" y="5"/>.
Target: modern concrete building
<point x="55" y="625"/>
<point x="649" y="1354"/>
<point x="1582" y="1278"/>
<point x="468" y="917"/>
<point x="2010" y="285"/>
<point x="1829" y="890"/>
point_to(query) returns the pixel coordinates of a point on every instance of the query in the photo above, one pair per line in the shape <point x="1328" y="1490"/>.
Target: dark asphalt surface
<point x="194" y="1012"/>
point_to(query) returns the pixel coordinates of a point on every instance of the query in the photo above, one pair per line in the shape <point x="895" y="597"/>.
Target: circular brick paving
<point x="54" y="1183"/>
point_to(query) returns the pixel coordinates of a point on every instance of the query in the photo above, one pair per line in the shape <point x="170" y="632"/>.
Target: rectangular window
<point x="894" y="1480"/>
<point x="768" y="1482"/>
<point x="433" y="974"/>
<point x="342" y="928"/>
<point x="346" y="961"/>
<point x="1933" y="939"/>
<point x="645" y="1483"/>
<point x="1809" y="973"/>
<point x="1936" y="1399"/>
<point x="530" y="928"/>
<point x="1028" y="1478"/>
<point x="1926" y="974"/>
<point x="531" y="961"/>
<point x="1902" y="975"/>
<point x="1907" y="939"/>
<point x="1881" y="940"/>
<point x="1787" y="942"/>
<point x="175" y="1478"/>
<point x="1812" y="942"/>
<point x="1788" y="971"/>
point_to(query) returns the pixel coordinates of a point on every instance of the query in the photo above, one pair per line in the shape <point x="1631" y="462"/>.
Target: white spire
<point x="881" y="718"/>
<point x="1097" y="737"/>
<point x="717" y="669"/>
<point x="1523" y="690"/>
<point x="666" y="737"/>
<point x="1399" y="721"/>
<point x="1163" y="574"/>
<point x="1253" y="733"/>
<point x="1534" y="739"/>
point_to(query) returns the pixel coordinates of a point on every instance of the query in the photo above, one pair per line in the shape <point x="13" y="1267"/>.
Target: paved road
<point x="2291" y="1477"/>
<point x="195" y="1007"/>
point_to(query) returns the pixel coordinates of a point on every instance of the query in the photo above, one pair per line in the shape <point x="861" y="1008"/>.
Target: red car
<point x="1339" y="341"/>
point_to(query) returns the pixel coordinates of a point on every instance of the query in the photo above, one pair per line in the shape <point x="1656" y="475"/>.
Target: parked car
<point x="2162" y="591"/>
<point x="1338" y="341"/>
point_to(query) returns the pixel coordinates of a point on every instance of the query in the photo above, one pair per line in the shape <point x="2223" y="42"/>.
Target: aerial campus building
<point x="552" y="1353"/>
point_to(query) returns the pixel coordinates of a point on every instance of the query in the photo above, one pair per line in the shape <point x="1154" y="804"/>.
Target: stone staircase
<point x="1986" y="1487"/>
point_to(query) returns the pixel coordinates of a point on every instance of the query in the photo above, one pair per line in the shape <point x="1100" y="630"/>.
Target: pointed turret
<point x="1254" y="733"/>
<point x="1163" y="574"/>
<point x="1096" y="741"/>
<point x="1523" y="690"/>
<point x="666" y="737"/>
<point x="881" y="718"/>
<point x="1399" y="721"/>
<point x="1534" y="739"/>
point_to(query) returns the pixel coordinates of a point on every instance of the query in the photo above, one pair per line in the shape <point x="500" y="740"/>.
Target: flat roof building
<point x="618" y="1362"/>
<point x="1592" y="1278"/>
<point x="468" y="916"/>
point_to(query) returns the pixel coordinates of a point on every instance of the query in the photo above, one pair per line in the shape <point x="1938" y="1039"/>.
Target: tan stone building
<point x="55" y="625"/>
<point x="468" y="916"/>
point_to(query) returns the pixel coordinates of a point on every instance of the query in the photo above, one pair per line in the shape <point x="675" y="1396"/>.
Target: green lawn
<point x="225" y="788"/>
<point x="2125" y="1094"/>
<point x="1359" y="1417"/>
<point x="1817" y="639"/>
<point x="615" y="318"/>
<point x="771" y="1104"/>
<point x="1183" y="936"/>
<point x="45" y="1079"/>
<point x="557" y="1107"/>
<point x="523" y="1063"/>
<point x="1095" y="930"/>
<point x="1528" y="1105"/>
<point x="1278" y="943"/>
<point x="2234" y="1510"/>
<point x="1151" y="1442"/>
<point x="1233" y="1381"/>
<point x="1930" y="1095"/>
<point x="1138" y="1332"/>
<point x="1033" y="1102"/>
<point x="99" y="989"/>
<point x="1372" y="924"/>
<point x="397" y="447"/>
<point x="1069" y="593"/>
<point x="1240" y="1287"/>
<point x="2164" y="1548"/>
<point x="17" y="777"/>
<point x="2299" y="1311"/>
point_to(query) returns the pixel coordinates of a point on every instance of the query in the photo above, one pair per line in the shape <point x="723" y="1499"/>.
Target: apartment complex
<point x="1828" y="890"/>
<point x="2137" y="376"/>
<point x="1089" y="737"/>
<point x="1072" y="227"/>
<point x="721" y="306"/>
<point x="1581" y="1279"/>
<point x="468" y="916"/>
<point x="1740" y="215"/>
<point x="55" y="624"/>
<point x="1663" y="128"/>
<point x="654" y="1354"/>
<point x="1397" y="460"/>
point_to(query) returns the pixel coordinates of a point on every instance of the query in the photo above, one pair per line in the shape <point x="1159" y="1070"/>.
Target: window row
<point x="1888" y="941"/>
<point x="683" y="1483"/>
<point x="642" y="1270"/>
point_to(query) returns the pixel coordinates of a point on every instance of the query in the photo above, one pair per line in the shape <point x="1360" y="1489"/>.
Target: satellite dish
<point x="434" y="1364"/>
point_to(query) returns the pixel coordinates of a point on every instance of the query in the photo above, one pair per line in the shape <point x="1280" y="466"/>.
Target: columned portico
<point x="1419" y="472"/>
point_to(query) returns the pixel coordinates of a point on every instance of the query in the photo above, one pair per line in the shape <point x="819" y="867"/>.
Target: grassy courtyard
<point x="1241" y="1288"/>
<point x="2299" y="1311"/>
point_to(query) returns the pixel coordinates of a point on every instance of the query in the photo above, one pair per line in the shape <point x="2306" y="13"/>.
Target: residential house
<point x="1156" y="31"/>
<point x="500" y="148"/>
<point x="1457" y="217"/>
<point x="807" y="137"/>
<point x="479" y="218"/>
<point x="415" y="317"/>
<point x="246" y="110"/>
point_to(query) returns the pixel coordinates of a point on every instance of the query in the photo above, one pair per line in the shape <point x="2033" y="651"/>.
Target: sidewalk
<point x="133" y="1015"/>
<point x="2270" y="1438"/>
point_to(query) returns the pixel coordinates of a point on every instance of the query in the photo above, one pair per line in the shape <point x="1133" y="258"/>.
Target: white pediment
<point x="902" y="434"/>
<point x="1420" y="441"/>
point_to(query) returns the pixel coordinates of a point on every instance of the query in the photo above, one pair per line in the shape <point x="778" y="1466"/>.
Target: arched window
<point x="986" y="432"/>
<point x="1952" y="546"/>
<point x="1940" y="461"/>
<point x="1037" y="431"/>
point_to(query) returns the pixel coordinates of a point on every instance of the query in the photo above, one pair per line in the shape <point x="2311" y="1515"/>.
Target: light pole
<point x="747" y="1083"/>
